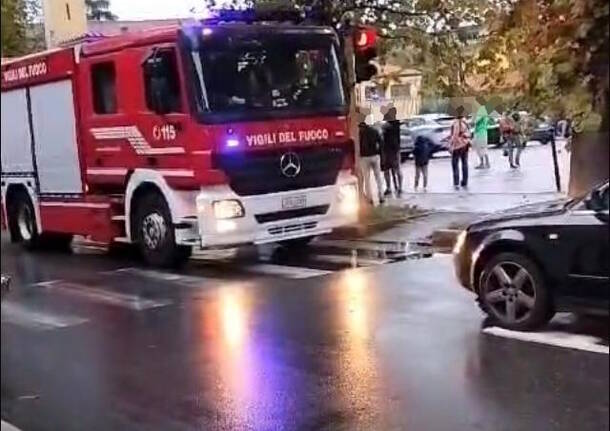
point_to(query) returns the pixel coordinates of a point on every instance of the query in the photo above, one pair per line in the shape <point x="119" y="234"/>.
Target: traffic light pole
<point x="353" y="114"/>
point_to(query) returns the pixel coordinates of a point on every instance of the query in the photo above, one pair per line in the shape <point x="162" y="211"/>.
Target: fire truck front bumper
<point x="226" y="219"/>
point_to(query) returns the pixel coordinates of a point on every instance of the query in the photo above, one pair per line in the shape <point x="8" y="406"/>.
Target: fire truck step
<point x="118" y="218"/>
<point x="122" y="240"/>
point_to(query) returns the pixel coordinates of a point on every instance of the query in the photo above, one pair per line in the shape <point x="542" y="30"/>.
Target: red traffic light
<point x="365" y="38"/>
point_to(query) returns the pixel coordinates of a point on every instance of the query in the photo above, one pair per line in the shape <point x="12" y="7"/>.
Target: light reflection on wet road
<point x="388" y="347"/>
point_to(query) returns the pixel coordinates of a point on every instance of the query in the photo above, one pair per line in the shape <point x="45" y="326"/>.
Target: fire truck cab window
<point x="271" y="73"/>
<point x="161" y="76"/>
<point x="103" y="79"/>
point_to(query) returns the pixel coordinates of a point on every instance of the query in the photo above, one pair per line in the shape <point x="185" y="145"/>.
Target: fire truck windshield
<point x="273" y="75"/>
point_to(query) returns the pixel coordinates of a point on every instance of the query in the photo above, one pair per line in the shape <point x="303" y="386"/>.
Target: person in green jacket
<point x="479" y="138"/>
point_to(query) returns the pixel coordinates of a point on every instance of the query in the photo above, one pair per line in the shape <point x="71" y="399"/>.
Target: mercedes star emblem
<point x="290" y="165"/>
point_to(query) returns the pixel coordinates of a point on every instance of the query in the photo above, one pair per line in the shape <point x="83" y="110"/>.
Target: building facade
<point x="392" y="86"/>
<point x="63" y="20"/>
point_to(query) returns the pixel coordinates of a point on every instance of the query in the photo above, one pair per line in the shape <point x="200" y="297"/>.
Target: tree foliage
<point x="17" y="21"/>
<point x="433" y="36"/>
<point x="99" y="10"/>
<point x="553" y="56"/>
<point x="555" y="60"/>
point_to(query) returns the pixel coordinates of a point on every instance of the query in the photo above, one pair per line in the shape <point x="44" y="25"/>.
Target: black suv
<point x="526" y="263"/>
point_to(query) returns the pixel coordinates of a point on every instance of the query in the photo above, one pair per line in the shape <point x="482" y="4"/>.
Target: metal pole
<point x="353" y="114"/>
<point x="556" y="164"/>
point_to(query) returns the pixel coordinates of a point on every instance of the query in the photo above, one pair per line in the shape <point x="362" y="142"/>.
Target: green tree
<point x="17" y="20"/>
<point x="434" y="36"/>
<point x="99" y="10"/>
<point x="553" y="56"/>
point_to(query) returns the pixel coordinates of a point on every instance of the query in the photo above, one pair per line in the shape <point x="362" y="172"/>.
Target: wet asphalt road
<point x="91" y="342"/>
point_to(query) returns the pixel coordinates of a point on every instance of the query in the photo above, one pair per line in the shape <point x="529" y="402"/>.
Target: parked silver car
<point x="434" y="128"/>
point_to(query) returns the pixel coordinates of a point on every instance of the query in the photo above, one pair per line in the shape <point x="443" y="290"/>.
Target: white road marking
<point x="211" y="255"/>
<point x="555" y="338"/>
<point x="348" y="260"/>
<point x="38" y="320"/>
<point x="5" y="426"/>
<point x="368" y="245"/>
<point x="181" y="279"/>
<point x="295" y="272"/>
<point x="100" y="295"/>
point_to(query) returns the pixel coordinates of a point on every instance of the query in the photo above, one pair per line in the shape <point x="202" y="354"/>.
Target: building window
<point x="374" y="92"/>
<point x="68" y="12"/>
<point x="165" y="80"/>
<point x="103" y="80"/>
<point x="400" y="91"/>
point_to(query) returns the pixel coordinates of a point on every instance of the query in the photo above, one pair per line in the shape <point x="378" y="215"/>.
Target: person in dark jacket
<point x="421" y="154"/>
<point x="370" y="150"/>
<point x="390" y="153"/>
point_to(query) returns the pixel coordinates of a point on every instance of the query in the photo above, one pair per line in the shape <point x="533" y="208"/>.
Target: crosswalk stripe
<point x="38" y="320"/>
<point x="5" y="426"/>
<point x="353" y="260"/>
<point x="364" y="245"/>
<point x="153" y="274"/>
<point x="104" y="296"/>
<point x="553" y="338"/>
<point x="295" y="272"/>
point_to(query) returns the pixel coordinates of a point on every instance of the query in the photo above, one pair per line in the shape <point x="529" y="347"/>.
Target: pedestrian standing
<point x="459" y="144"/>
<point x="370" y="161"/>
<point x="510" y="134"/>
<point x="479" y="141"/>
<point x="390" y="154"/>
<point x="421" y="154"/>
<point x="523" y="127"/>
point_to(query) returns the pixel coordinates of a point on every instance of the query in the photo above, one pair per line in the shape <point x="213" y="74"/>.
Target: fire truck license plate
<point x="294" y="202"/>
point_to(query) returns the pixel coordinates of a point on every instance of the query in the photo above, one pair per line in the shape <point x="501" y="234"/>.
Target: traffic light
<point x="365" y="50"/>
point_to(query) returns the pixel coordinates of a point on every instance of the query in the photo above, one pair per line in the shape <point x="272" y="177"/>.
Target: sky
<point x="155" y="9"/>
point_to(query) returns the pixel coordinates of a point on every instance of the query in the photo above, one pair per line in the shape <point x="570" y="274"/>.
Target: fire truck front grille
<point x="288" y="214"/>
<point x="260" y="173"/>
<point x="292" y="228"/>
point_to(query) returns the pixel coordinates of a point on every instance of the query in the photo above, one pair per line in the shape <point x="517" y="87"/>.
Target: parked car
<point x="527" y="263"/>
<point x="544" y="132"/>
<point x="434" y="128"/>
<point x="494" y="138"/>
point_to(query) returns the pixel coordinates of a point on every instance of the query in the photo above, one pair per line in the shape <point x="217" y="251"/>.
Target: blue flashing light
<point x="232" y="143"/>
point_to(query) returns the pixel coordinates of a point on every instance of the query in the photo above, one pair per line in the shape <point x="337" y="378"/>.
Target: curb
<point x="369" y="228"/>
<point x="444" y="238"/>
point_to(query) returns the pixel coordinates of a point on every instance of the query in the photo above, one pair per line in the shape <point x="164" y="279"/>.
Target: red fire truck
<point x="199" y="135"/>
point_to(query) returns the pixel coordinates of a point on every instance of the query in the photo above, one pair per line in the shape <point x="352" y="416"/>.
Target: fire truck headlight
<point x="348" y="199"/>
<point x="228" y="209"/>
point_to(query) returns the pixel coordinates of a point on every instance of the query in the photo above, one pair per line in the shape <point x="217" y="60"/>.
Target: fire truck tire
<point x="154" y="233"/>
<point x="297" y="242"/>
<point x="22" y="220"/>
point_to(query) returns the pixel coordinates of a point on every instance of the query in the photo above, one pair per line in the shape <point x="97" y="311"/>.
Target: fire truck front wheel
<point x="22" y="220"/>
<point x="154" y="233"/>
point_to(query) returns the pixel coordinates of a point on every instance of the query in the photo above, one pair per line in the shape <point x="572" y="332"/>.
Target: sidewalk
<point x="492" y="189"/>
<point x="439" y="213"/>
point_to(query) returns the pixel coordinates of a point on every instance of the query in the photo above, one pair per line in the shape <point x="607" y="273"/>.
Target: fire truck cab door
<point x="163" y="115"/>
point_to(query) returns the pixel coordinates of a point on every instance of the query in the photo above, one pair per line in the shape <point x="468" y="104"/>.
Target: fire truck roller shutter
<point x="55" y="143"/>
<point x="16" y="139"/>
